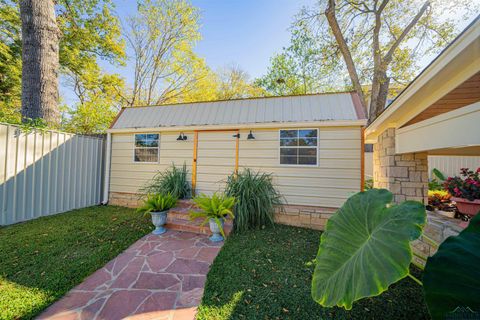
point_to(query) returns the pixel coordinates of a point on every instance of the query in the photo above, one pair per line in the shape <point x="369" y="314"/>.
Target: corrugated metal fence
<point x="47" y="172"/>
<point x="451" y="165"/>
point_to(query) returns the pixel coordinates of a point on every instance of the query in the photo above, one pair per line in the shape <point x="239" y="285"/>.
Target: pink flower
<point x="478" y="170"/>
<point x="457" y="191"/>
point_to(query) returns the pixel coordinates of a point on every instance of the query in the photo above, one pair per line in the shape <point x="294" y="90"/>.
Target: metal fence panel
<point x="47" y="172"/>
<point x="451" y="165"/>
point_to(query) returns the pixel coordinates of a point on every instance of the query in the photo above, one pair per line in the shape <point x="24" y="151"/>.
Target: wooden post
<point x="194" y="164"/>
<point x="362" y="159"/>
<point x="237" y="143"/>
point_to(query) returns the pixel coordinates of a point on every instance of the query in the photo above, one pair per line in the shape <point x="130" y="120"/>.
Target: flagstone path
<point x="158" y="277"/>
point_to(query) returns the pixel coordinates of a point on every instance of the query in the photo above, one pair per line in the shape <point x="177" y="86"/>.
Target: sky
<point x="246" y="33"/>
<point x="242" y="32"/>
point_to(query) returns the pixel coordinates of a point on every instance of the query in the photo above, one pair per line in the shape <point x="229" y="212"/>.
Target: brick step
<point x="179" y="219"/>
<point x="193" y="226"/>
<point x="185" y="203"/>
<point x="180" y="213"/>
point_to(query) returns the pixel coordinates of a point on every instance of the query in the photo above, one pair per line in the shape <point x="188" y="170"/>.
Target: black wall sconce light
<point x="182" y="137"/>
<point x="250" y="136"/>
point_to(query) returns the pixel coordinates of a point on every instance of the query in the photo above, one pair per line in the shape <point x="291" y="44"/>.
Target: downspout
<point x="106" y="182"/>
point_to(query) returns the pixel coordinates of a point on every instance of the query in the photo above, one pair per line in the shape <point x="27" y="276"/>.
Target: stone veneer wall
<point x="405" y="175"/>
<point x="438" y="229"/>
<point x="124" y="199"/>
<point x="300" y="216"/>
<point x="304" y="216"/>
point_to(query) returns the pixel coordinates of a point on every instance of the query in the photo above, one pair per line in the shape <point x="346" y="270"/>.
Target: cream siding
<point x="328" y="184"/>
<point x="215" y="160"/>
<point x="128" y="176"/>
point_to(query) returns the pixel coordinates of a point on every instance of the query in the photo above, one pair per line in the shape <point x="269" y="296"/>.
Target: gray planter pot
<point x="159" y="219"/>
<point x="217" y="235"/>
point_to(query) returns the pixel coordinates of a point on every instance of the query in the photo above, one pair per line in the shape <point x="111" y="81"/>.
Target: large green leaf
<point x="452" y="275"/>
<point x="365" y="248"/>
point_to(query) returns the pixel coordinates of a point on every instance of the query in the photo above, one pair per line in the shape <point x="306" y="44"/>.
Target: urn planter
<point x="466" y="206"/>
<point x="217" y="234"/>
<point x="159" y="219"/>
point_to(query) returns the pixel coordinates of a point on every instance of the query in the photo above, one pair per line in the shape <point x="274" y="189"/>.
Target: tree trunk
<point x="40" y="38"/>
<point x="347" y="56"/>
<point x="379" y="93"/>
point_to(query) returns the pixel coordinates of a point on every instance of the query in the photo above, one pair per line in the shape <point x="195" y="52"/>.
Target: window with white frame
<point x="146" y="147"/>
<point x="299" y="147"/>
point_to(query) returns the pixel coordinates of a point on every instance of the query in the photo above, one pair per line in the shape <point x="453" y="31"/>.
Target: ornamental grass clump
<point x="256" y="197"/>
<point x="173" y="181"/>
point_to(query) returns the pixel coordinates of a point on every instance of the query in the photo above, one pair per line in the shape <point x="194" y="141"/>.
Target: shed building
<point x="312" y="144"/>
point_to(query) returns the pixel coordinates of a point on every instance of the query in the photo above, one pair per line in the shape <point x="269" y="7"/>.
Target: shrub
<point x="436" y="183"/>
<point x="157" y="203"/>
<point x="172" y="180"/>
<point x="256" y="199"/>
<point x="466" y="186"/>
<point x="437" y="197"/>
<point x="368" y="184"/>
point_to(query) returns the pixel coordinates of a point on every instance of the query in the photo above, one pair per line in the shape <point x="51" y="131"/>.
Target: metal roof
<point x="302" y="108"/>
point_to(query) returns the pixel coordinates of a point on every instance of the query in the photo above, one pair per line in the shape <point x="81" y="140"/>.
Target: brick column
<point x="405" y="175"/>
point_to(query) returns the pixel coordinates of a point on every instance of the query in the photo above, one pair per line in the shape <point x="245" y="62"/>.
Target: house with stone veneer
<point x="436" y="114"/>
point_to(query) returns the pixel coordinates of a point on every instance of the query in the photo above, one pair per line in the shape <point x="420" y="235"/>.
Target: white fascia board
<point x="455" y="129"/>
<point x="272" y="125"/>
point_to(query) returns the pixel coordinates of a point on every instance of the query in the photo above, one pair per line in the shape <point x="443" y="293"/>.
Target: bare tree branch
<point x="389" y="55"/>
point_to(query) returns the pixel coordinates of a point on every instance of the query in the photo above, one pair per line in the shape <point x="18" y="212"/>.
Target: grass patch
<point x="266" y="274"/>
<point x="43" y="259"/>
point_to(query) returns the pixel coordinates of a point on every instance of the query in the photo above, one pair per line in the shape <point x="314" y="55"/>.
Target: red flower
<point x="478" y="170"/>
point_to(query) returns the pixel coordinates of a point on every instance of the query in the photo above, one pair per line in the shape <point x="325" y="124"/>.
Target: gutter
<point x="108" y="161"/>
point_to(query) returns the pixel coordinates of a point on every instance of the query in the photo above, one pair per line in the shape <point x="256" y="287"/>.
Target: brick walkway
<point x="158" y="277"/>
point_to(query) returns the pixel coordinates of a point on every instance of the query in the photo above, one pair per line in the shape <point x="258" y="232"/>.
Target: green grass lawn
<point x="266" y="274"/>
<point x="42" y="259"/>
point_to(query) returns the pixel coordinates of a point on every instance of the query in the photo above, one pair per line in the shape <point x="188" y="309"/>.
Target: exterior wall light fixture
<point x="182" y="137"/>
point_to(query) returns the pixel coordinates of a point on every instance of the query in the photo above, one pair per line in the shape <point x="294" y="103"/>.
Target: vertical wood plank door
<point x="216" y="158"/>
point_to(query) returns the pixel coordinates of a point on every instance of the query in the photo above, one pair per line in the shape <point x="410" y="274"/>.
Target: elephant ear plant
<point x="366" y="248"/>
<point x="452" y="275"/>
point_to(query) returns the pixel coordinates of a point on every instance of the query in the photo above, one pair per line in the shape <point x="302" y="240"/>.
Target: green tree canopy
<point x="89" y="32"/>
<point x="369" y="46"/>
<point x="10" y="62"/>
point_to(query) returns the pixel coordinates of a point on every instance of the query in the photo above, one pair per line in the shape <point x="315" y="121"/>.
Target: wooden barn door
<point x="216" y="159"/>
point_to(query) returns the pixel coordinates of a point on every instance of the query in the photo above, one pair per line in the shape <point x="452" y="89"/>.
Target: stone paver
<point x="158" y="277"/>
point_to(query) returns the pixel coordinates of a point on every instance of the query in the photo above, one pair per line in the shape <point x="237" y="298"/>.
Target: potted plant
<point x="158" y="205"/>
<point x="465" y="191"/>
<point x="214" y="209"/>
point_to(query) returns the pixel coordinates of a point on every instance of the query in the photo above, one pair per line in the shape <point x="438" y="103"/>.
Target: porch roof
<point x="450" y="82"/>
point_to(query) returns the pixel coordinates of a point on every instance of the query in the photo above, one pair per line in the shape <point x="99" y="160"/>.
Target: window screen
<point x="146" y="147"/>
<point x="299" y="147"/>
